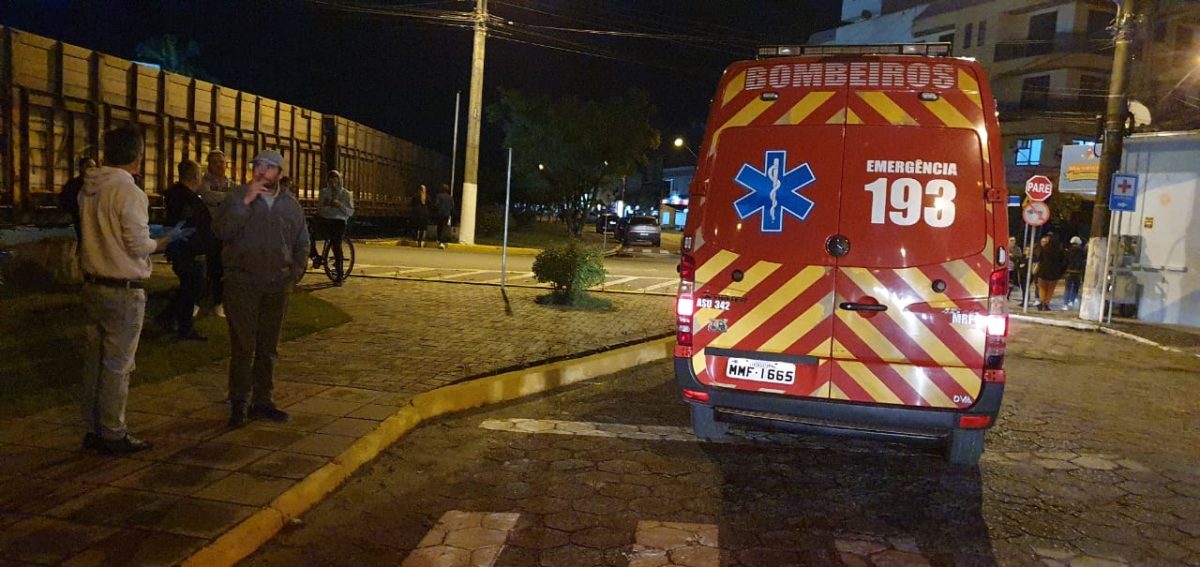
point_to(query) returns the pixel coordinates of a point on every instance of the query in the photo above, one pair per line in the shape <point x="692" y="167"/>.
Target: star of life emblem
<point x="774" y="191"/>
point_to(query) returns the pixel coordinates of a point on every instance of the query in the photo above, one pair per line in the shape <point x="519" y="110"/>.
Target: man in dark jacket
<point x="1051" y="265"/>
<point x="443" y="209"/>
<point x="184" y="205"/>
<point x="1076" y="262"/>
<point x="264" y="242"/>
<point x="68" y="199"/>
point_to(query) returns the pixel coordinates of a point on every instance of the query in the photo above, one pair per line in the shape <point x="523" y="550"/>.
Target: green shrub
<point x="489" y="221"/>
<point x="570" y="269"/>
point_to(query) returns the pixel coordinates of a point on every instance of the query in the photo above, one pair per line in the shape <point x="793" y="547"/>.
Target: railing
<point x="1060" y="43"/>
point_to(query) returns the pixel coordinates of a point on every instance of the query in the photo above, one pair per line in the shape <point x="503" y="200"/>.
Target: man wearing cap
<point x="335" y="206"/>
<point x="265" y="251"/>
<point x="1076" y="262"/>
<point x="214" y="186"/>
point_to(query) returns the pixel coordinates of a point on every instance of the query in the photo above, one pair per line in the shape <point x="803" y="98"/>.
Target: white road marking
<point x="511" y="277"/>
<point x="675" y="543"/>
<point x="667" y="283"/>
<point x="466" y="273"/>
<point x="619" y="280"/>
<point x="462" y="539"/>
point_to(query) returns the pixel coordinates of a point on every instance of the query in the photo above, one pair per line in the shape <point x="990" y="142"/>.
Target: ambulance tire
<point x="705" y="424"/>
<point x="964" y="447"/>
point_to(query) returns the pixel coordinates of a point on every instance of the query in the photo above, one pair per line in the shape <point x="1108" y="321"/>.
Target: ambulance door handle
<point x="849" y="306"/>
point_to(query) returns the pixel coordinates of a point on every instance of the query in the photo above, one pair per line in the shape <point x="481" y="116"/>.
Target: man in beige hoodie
<point x="116" y="248"/>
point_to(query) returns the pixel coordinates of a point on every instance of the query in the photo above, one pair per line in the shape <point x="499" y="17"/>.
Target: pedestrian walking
<point x="184" y="205"/>
<point x="443" y="209"/>
<point x="335" y="207"/>
<point x="215" y="186"/>
<point x="265" y="245"/>
<point x="115" y="230"/>
<point x="1051" y="265"/>
<point x="419" y="209"/>
<point x="1016" y="266"/>
<point x="1076" y="262"/>
<point x="68" y="199"/>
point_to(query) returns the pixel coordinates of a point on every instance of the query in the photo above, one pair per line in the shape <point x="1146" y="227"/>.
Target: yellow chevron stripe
<point x="871" y="336"/>
<point x="754" y="276"/>
<point x="822" y="350"/>
<point x="917" y="279"/>
<point x="925" y="338"/>
<point x="970" y="87"/>
<point x="869" y="382"/>
<point x="919" y="381"/>
<point x="970" y="382"/>
<point x="968" y="278"/>
<point x="721" y="260"/>
<point x="698" y="363"/>
<point x="807" y="105"/>
<point x="836" y="393"/>
<point x="743" y="117"/>
<point x="886" y="107"/>
<point x="735" y="86"/>
<point x="839" y="118"/>
<point x="949" y="115"/>
<point x="852" y="117"/>
<point x="770" y="306"/>
<point x="800" y="326"/>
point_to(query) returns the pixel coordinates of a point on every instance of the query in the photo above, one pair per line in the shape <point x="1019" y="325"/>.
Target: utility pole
<point x="466" y="227"/>
<point x="1091" y="305"/>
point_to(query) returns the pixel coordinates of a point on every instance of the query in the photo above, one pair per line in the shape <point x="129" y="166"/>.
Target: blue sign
<point x="774" y="191"/>
<point x="1122" y="195"/>
<point x="1014" y="200"/>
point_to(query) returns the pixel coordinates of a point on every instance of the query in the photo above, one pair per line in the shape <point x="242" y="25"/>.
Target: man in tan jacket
<point x="116" y="248"/>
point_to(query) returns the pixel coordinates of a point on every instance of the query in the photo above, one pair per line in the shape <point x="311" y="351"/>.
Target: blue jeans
<point x="114" y="324"/>
<point x="1073" y="283"/>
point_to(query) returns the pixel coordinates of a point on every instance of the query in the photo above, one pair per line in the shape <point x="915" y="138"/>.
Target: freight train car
<point x="57" y="99"/>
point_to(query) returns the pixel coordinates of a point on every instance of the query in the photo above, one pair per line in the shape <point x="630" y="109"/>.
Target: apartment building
<point x="1049" y="62"/>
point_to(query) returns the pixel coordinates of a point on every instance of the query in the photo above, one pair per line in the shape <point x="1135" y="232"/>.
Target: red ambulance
<point x="843" y="264"/>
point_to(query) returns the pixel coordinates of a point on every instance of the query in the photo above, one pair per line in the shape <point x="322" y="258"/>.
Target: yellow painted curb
<point x="246" y="537"/>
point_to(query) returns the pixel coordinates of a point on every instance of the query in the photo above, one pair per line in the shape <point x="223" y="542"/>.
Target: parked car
<point x="606" y="222"/>
<point x="637" y="228"/>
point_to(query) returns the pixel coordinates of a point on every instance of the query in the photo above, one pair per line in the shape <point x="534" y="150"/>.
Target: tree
<point x="166" y="52"/>
<point x="565" y="148"/>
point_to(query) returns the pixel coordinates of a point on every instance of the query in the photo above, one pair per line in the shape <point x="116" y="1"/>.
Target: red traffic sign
<point x="1036" y="213"/>
<point x="1039" y="188"/>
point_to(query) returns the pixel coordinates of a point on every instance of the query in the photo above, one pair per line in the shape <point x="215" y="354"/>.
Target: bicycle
<point x="328" y="256"/>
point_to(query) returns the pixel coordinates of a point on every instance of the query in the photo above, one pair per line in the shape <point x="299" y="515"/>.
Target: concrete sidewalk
<point x="1176" y="338"/>
<point x="62" y="505"/>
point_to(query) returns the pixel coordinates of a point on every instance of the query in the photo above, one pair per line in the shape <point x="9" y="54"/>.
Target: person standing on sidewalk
<point x="1051" y="265"/>
<point x="265" y="241"/>
<point x="184" y="205"/>
<point x="68" y="198"/>
<point x="115" y="227"/>
<point x="1076" y="262"/>
<point x="1016" y="262"/>
<point x="215" y="186"/>
<point x="419" y="209"/>
<point x="443" y="209"/>
<point x="335" y="206"/>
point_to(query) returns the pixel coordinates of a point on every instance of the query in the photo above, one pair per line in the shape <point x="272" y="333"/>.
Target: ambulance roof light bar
<point x="938" y="49"/>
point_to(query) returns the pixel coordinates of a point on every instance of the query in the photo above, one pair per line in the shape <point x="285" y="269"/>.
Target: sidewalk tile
<point x="219" y="456"/>
<point x="285" y="465"/>
<point x="375" y="412"/>
<point x="347" y="394"/>
<point x="93" y="468"/>
<point x="306" y="422"/>
<point x="215" y="411"/>
<point x="25" y="495"/>
<point x="47" y="540"/>
<point x="192" y="428"/>
<point x="198" y="518"/>
<point x="164" y="405"/>
<point x="17" y="429"/>
<point x="164" y="448"/>
<point x="242" y="488"/>
<point x="167" y="478"/>
<point x="263" y="437"/>
<point x="210" y="394"/>
<point x="137" y="547"/>
<point x="350" y="426"/>
<point x="17" y="460"/>
<point x="324" y="406"/>
<point x="113" y="506"/>
<point x="321" y="445"/>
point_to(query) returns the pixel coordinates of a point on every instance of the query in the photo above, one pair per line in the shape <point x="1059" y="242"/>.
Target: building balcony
<point x="1060" y="43"/>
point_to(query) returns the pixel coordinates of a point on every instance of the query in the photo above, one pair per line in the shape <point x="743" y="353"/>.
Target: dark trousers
<point x="191" y="287"/>
<point x="1073" y="282"/>
<point x="443" y="229"/>
<point x="216" y="275"/>
<point x="255" y="317"/>
<point x="330" y="230"/>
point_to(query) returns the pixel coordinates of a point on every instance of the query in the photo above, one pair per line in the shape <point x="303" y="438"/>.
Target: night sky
<point x="400" y="74"/>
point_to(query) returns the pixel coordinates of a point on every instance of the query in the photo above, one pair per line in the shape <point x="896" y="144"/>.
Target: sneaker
<point x="237" y="414"/>
<point x="219" y="310"/>
<point x="269" y="412"/>
<point x="123" y="446"/>
<point x="442" y="245"/>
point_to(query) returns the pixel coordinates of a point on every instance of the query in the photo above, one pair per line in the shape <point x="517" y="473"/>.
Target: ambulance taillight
<point x="996" y="321"/>
<point x="685" y="305"/>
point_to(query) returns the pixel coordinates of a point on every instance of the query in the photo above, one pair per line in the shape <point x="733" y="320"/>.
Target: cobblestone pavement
<point x="60" y="504"/>
<point x="1094" y="462"/>
<point x="637" y="283"/>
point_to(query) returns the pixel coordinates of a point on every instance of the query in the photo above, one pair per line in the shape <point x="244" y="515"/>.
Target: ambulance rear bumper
<point x="835" y="416"/>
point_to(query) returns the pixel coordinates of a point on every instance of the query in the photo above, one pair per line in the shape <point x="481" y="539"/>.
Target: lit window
<point x="1029" y="151"/>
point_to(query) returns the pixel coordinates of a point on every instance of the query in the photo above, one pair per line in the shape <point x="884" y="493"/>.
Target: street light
<point x="541" y="167"/>
<point x="679" y="143"/>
